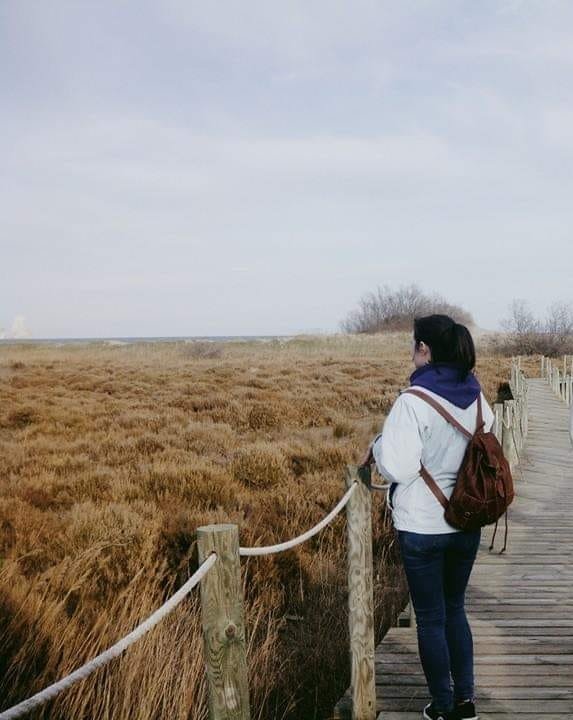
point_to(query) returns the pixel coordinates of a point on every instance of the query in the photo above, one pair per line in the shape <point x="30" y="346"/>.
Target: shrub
<point x="22" y="417"/>
<point x="201" y="349"/>
<point x="148" y="445"/>
<point x="388" y="309"/>
<point x="342" y="428"/>
<point x="260" y="465"/>
<point x="264" y="416"/>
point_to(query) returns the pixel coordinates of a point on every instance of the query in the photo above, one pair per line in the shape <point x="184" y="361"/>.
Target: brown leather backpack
<point x="484" y="484"/>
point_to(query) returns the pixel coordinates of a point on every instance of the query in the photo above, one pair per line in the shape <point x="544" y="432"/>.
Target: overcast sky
<point x="208" y="168"/>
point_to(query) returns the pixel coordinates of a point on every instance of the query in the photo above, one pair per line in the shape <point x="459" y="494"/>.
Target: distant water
<point x="130" y="340"/>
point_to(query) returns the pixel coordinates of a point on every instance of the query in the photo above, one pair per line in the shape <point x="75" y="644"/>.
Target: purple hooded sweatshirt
<point x="443" y="378"/>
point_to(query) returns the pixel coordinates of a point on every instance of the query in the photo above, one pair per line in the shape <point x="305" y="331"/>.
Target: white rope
<point x="375" y="486"/>
<point x="269" y="549"/>
<point x="50" y="692"/>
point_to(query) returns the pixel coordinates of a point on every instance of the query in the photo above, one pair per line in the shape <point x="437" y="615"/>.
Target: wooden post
<point x="508" y="444"/>
<point x="360" y="597"/>
<point x="553" y="370"/>
<point x="525" y="408"/>
<point x="497" y="422"/>
<point x="516" y="427"/>
<point x="223" y="624"/>
<point x="513" y="379"/>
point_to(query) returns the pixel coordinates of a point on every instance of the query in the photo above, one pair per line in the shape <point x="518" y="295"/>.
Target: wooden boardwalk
<point x="520" y="604"/>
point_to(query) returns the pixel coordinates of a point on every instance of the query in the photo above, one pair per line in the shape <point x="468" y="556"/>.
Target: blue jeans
<point x="438" y="568"/>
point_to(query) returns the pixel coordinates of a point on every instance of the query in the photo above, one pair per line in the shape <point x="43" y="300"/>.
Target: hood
<point x="444" y="379"/>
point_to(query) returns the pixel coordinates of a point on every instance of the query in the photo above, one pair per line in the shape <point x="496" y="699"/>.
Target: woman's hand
<point x="368" y="458"/>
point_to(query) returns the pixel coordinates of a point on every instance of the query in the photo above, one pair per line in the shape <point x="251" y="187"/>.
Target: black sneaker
<point x="464" y="710"/>
<point x="430" y="713"/>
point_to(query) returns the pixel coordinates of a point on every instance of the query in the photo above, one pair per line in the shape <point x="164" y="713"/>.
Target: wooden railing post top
<point x="358" y="473"/>
<point x="222" y="527"/>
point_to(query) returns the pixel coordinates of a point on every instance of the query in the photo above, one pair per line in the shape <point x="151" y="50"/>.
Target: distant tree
<point x="559" y="321"/>
<point x="386" y="309"/>
<point x="521" y="320"/>
<point x="528" y="335"/>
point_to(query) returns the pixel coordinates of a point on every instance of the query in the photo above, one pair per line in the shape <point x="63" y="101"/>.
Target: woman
<point x="438" y="558"/>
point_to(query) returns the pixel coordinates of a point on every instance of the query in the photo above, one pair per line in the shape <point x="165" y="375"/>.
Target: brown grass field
<point x="111" y="457"/>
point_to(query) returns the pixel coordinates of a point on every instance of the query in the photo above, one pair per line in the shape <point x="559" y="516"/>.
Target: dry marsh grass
<point x="111" y="457"/>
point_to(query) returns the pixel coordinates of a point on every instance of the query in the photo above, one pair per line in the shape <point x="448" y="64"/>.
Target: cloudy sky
<point x="206" y="168"/>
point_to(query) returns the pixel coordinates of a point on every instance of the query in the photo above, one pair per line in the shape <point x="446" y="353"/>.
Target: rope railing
<point x="288" y="544"/>
<point x="114" y="651"/>
<point x="377" y="486"/>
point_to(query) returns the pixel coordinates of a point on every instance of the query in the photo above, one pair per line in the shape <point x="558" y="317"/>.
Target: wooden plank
<point x="481" y="671"/>
<point x="495" y="692"/>
<point x="498" y="658"/>
<point x="485" y="704"/>
<point x="490" y="715"/>
<point x="493" y="681"/>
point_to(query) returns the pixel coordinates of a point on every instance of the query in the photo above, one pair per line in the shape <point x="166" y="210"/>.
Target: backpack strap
<point x="443" y="412"/>
<point x="428" y="479"/>
<point x="480" y="420"/>
<point x="434" y="487"/>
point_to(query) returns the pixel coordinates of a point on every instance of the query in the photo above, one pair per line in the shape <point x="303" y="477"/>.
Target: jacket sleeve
<point x="488" y="414"/>
<point x="398" y="449"/>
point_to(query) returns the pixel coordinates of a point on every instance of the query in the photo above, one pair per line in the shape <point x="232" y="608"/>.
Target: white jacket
<point x="413" y="432"/>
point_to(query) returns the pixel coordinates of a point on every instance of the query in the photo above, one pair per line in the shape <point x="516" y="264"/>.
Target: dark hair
<point x="449" y="341"/>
